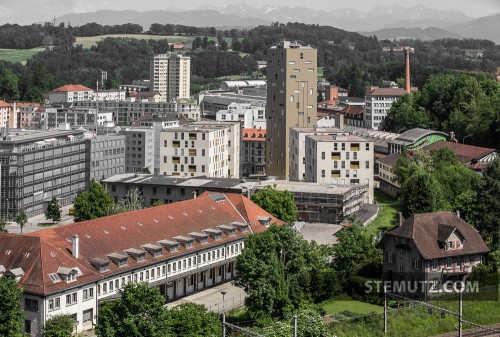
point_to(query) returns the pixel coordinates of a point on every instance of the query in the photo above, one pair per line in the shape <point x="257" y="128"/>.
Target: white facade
<point x="340" y="160"/>
<point x="54" y="118"/>
<point x="111" y="95"/>
<point x="249" y="116"/>
<point x="298" y="148"/>
<point x="378" y="102"/>
<point x="200" y="150"/>
<point x="71" y="93"/>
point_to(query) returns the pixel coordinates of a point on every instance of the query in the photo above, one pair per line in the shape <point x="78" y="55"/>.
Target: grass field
<point x="389" y="207"/>
<point x="344" y="303"/>
<point x="18" y="55"/>
<point x="89" y="41"/>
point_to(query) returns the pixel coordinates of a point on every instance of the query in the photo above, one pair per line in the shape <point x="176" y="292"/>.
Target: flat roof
<point x="41" y="135"/>
<point x="150" y="179"/>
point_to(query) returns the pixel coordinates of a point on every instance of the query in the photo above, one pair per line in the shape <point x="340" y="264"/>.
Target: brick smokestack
<point x="407" y="73"/>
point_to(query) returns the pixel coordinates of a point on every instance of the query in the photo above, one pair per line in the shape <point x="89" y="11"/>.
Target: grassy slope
<point x="389" y="207"/>
<point x="18" y="55"/>
<point x="345" y="303"/>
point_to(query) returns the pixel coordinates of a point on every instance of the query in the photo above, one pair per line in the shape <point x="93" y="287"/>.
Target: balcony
<point x="192" y="136"/>
<point x="176" y="160"/>
<point x="176" y="144"/>
<point x="192" y="152"/>
<point x="335" y="156"/>
<point x="355" y="147"/>
<point x="335" y="174"/>
<point x="192" y="168"/>
<point x="354" y="165"/>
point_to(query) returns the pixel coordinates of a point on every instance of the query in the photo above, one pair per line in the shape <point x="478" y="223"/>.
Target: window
<point x="30" y="305"/>
<point x="88" y="294"/>
<point x="401" y="253"/>
<point x="104" y="288"/>
<point x="72" y="298"/>
<point x="390" y="257"/>
<point x="417" y="264"/>
<point x="435" y="264"/>
<point x="322" y="155"/>
<point x="322" y="173"/>
<point x="367" y="164"/>
<point x="401" y="269"/>
<point x="54" y="304"/>
<point x="448" y="262"/>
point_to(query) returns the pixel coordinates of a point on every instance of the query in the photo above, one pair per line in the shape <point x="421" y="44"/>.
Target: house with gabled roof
<point x="430" y="250"/>
<point x="180" y="248"/>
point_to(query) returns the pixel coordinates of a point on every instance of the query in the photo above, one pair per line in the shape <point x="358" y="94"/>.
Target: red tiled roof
<point x="253" y="134"/>
<point x="465" y="153"/>
<point x="42" y="253"/>
<point x="354" y="109"/>
<point x="384" y="92"/>
<point x="425" y="230"/>
<point x="5" y="104"/>
<point x="72" y="87"/>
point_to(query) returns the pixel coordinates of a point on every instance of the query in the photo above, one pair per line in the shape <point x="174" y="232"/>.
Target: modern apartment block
<point x="140" y="149"/>
<point x="180" y="249"/>
<point x="214" y="102"/>
<point x="75" y="116"/>
<point x="37" y="166"/>
<point x="106" y="154"/>
<point x="291" y="100"/>
<point x="171" y="76"/>
<point x="249" y="116"/>
<point x="201" y="149"/>
<point x="378" y="102"/>
<point x="298" y="148"/>
<point x="340" y="160"/>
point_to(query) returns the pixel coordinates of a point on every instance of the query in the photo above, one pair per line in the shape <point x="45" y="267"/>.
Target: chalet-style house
<point x="180" y="248"/>
<point x="429" y="249"/>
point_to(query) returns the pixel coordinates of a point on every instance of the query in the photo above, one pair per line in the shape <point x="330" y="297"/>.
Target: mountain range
<point x="390" y="22"/>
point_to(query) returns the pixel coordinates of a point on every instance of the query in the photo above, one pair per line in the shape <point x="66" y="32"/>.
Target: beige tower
<point x="291" y="100"/>
<point x="171" y="76"/>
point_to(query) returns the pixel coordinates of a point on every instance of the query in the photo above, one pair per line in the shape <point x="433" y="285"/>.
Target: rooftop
<point x="465" y="153"/>
<point x="72" y="87"/>
<point x="392" y="92"/>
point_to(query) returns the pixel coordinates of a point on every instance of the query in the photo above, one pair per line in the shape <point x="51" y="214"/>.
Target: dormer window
<point x="216" y="234"/>
<point x="264" y="220"/>
<point x="185" y="241"/>
<point x="121" y="260"/>
<point x="101" y="264"/>
<point x="242" y="226"/>
<point x="137" y="254"/>
<point x="15" y="273"/>
<point x="154" y="250"/>
<point x="202" y="238"/>
<point x="68" y="274"/>
<point x="171" y="246"/>
<point x="228" y="229"/>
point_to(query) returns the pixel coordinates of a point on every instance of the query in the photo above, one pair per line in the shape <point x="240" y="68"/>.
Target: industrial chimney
<point x="407" y="73"/>
<point x="75" y="246"/>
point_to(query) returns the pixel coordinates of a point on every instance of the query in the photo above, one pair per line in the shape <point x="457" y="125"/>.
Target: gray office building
<point x="36" y="166"/>
<point x="106" y="153"/>
<point x="140" y="149"/>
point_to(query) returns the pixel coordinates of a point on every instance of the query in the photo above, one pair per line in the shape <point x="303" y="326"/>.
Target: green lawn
<point x="320" y="72"/>
<point x="46" y="224"/>
<point x="389" y="208"/>
<point x="18" y="55"/>
<point x="344" y="303"/>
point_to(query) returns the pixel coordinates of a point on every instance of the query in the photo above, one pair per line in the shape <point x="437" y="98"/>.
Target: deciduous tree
<point x="53" y="211"/>
<point x="59" y="326"/>
<point x="280" y="204"/>
<point x="93" y="203"/>
<point x="22" y="219"/>
<point x="138" y="313"/>
<point x="11" y="314"/>
<point x="191" y="319"/>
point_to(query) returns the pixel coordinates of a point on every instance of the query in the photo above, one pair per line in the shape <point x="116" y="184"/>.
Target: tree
<point x="59" y="326"/>
<point x="139" y="312"/>
<point x="22" y="219"/>
<point x="2" y="226"/>
<point x="53" y="211"/>
<point x="133" y="201"/>
<point x="275" y="269"/>
<point x="416" y="194"/>
<point x="157" y="203"/>
<point x="488" y="205"/>
<point x="280" y="204"/>
<point x="11" y="314"/>
<point x="93" y="203"/>
<point x="191" y="319"/>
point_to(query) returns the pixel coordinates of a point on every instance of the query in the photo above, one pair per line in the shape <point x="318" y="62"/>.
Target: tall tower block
<point x="292" y="76"/>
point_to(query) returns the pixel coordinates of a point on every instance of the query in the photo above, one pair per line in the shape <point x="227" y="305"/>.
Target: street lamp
<point x="223" y="314"/>
<point x="463" y="139"/>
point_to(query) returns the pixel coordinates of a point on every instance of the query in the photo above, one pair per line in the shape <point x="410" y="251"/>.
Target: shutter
<point x="87" y="315"/>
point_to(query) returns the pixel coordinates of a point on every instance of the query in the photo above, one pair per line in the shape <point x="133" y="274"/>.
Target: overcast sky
<point x="28" y="11"/>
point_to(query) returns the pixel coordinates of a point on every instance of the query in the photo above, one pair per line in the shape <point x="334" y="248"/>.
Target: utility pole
<point x="460" y="311"/>
<point x="385" y="310"/>
<point x="295" y="326"/>
<point x="223" y="314"/>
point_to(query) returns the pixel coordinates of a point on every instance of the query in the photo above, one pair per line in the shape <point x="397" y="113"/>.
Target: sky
<point x="29" y="11"/>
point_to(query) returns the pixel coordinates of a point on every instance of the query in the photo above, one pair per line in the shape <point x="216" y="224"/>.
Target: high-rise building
<point x="170" y="75"/>
<point x="291" y="100"/>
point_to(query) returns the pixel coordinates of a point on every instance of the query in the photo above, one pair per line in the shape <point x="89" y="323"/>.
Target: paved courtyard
<point x="322" y="233"/>
<point x="32" y="225"/>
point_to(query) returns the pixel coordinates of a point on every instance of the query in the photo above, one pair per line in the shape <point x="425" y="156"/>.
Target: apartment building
<point x="70" y="93"/>
<point x="211" y="103"/>
<point x="178" y="248"/>
<point x="171" y="76"/>
<point x="140" y="144"/>
<point x="75" y="116"/>
<point x="292" y="76"/>
<point x="340" y="160"/>
<point x="249" y="116"/>
<point x="298" y="148"/>
<point x="36" y="166"/>
<point x="106" y="155"/>
<point x="201" y="149"/>
<point x="253" y="152"/>
<point x="110" y="95"/>
<point x="430" y="251"/>
<point x="378" y="102"/>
